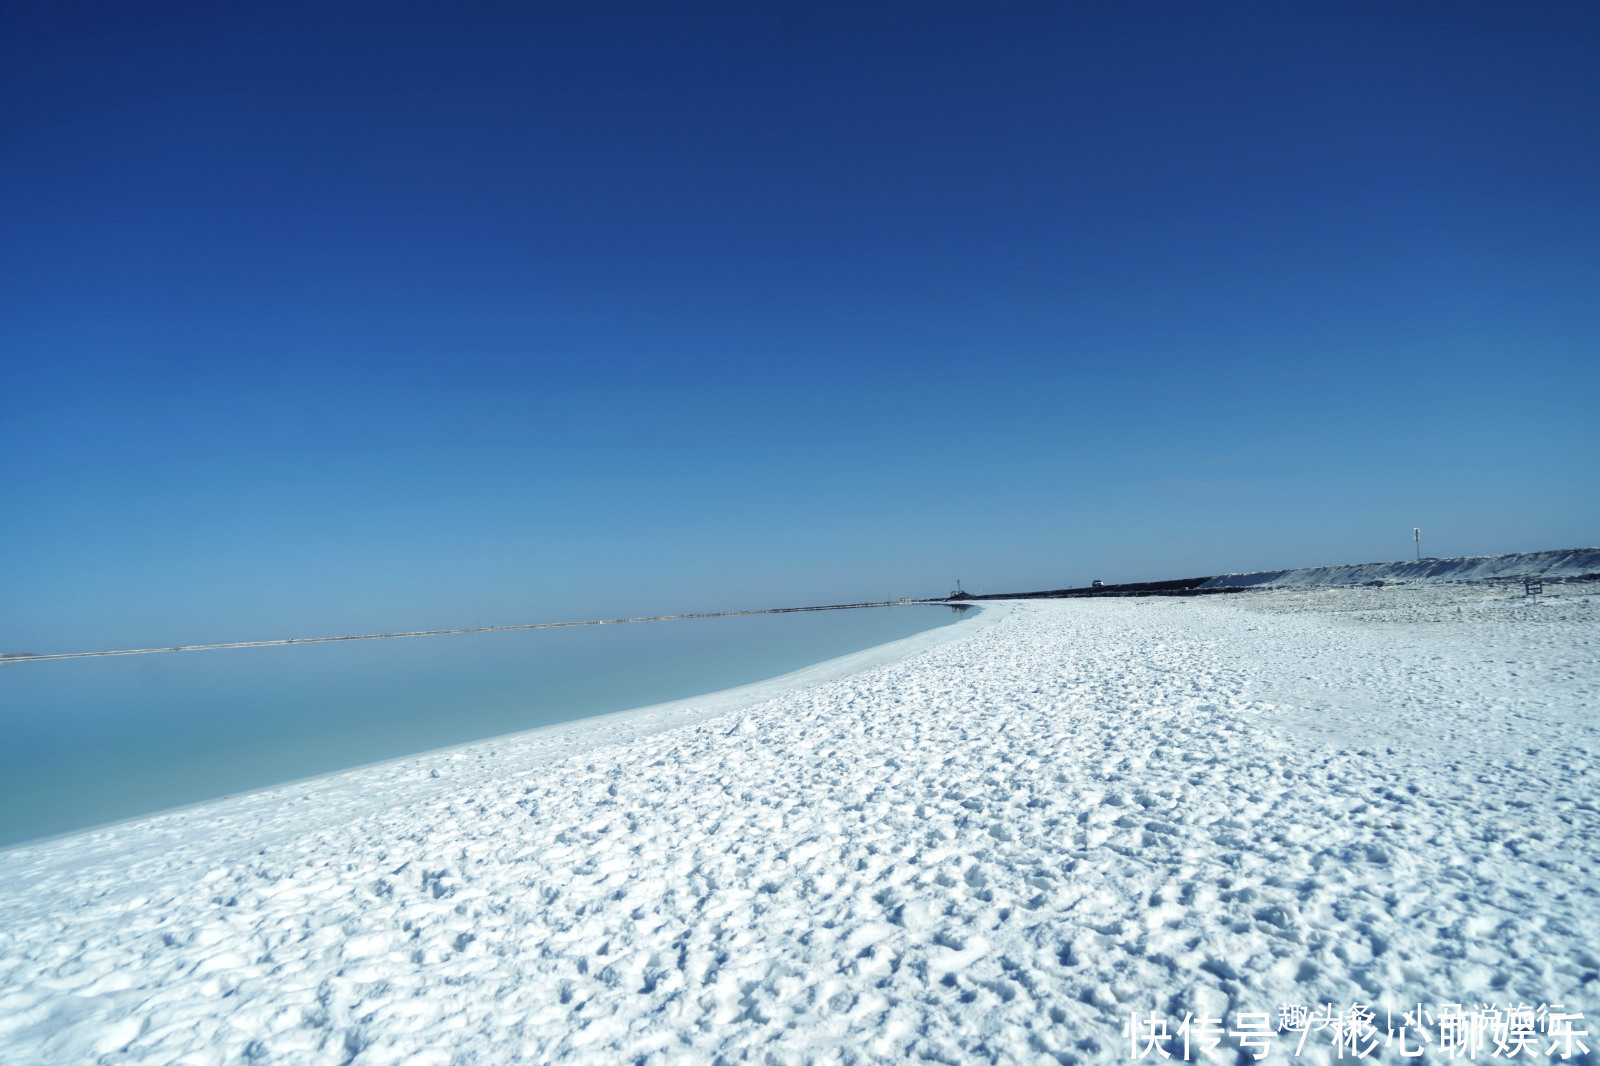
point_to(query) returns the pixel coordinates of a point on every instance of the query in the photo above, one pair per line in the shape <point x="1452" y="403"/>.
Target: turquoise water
<point x="88" y="741"/>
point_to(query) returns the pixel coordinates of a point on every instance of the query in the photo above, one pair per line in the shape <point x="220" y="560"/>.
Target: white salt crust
<point x="984" y="844"/>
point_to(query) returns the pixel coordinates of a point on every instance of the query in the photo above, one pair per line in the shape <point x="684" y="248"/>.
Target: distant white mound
<point x="1563" y="564"/>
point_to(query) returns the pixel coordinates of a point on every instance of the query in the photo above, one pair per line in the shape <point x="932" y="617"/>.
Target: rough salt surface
<point x="990" y="849"/>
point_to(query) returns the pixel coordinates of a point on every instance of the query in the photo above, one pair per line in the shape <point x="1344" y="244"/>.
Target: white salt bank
<point x="1030" y="837"/>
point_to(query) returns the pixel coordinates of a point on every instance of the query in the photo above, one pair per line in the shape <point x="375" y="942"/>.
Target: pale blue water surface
<point x="88" y="741"/>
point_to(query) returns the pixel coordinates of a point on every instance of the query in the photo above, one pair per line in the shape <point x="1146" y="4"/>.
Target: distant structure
<point x="958" y="594"/>
<point x="1097" y="584"/>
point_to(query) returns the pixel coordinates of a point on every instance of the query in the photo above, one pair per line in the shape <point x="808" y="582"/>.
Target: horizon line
<point x="16" y="657"/>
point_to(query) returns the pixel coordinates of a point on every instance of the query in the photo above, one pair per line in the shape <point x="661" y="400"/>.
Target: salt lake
<point x="89" y="741"/>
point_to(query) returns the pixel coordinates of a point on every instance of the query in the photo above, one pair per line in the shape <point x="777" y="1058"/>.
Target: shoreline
<point x="561" y="739"/>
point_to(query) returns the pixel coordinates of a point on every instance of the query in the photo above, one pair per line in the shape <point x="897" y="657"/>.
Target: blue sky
<point x="333" y="317"/>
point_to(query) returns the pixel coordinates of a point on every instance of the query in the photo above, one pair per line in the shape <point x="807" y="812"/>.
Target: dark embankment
<point x="1188" y="586"/>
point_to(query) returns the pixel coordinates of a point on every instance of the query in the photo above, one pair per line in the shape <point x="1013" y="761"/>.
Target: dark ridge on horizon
<point x="1188" y="586"/>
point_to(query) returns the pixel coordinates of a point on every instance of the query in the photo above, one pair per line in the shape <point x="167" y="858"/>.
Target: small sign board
<point x="1532" y="586"/>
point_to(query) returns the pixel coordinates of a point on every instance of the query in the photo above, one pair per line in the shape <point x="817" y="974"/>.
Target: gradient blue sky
<point x="329" y="317"/>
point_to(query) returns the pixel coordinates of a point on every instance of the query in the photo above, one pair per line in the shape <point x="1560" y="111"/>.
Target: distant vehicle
<point x="1096" y="584"/>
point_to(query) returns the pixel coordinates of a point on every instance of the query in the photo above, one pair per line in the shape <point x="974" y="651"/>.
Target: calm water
<point x="87" y="741"/>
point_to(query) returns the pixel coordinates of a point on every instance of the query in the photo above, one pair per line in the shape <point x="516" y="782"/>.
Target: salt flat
<point x="990" y="846"/>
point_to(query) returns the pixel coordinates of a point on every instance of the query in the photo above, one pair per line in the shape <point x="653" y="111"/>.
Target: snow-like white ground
<point x="990" y="848"/>
<point x="1559" y="565"/>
